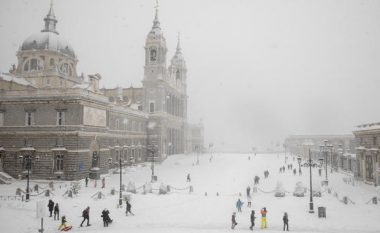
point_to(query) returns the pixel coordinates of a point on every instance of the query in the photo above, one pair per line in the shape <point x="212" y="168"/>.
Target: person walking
<point x="56" y="212"/>
<point x="51" y="207"/>
<point x="103" y="182"/>
<point x="252" y="220"/>
<point x="86" y="216"/>
<point x="188" y="179"/>
<point x="233" y="219"/>
<point x="248" y="191"/>
<point x="239" y="204"/>
<point x="285" y="219"/>
<point x="129" y="207"/>
<point x="249" y="200"/>
<point x="86" y="181"/>
<point x="263" y="218"/>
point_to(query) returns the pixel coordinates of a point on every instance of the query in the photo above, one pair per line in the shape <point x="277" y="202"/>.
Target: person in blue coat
<point x="239" y="204"/>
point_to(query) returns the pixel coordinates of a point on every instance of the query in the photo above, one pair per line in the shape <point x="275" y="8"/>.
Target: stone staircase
<point x="5" y="178"/>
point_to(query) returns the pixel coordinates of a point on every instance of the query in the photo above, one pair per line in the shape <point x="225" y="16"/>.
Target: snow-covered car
<point x="317" y="191"/>
<point x="299" y="190"/>
<point x="279" y="191"/>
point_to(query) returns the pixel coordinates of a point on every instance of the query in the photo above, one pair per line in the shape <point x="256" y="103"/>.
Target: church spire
<point x="178" y="50"/>
<point x="50" y="20"/>
<point x="156" y="23"/>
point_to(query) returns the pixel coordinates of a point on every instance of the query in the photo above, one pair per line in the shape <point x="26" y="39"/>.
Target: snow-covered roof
<point x="15" y="79"/>
<point x="48" y="41"/>
<point x="369" y="126"/>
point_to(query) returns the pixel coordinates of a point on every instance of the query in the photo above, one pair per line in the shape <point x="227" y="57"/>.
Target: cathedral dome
<point x="47" y="40"/>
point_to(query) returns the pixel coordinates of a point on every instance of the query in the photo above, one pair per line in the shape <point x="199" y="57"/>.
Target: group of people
<point x="53" y="209"/>
<point x="263" y="213"/>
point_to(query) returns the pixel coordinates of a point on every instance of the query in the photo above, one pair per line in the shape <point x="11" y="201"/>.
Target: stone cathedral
<point x="56" y="124"/>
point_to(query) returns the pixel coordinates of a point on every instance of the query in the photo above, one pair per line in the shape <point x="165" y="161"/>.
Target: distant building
<point x="70" y="128"/>
<point x="341" y="145"/>
<point x="367" y="138"/>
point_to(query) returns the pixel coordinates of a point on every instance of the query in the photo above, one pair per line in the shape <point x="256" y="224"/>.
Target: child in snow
<point x="249" y="200"/>
<point x="286" y="221"/>
<point x="63" y="223"/>
<point x="234" y="223"/>
<point x="239" y="204"/>
<point x="263" y="218"/>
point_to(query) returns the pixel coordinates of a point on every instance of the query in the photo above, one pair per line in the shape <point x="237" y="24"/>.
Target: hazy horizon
<point x="257" y="70"/>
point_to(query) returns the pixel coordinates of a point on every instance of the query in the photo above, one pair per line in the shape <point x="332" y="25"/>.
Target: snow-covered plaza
<point x="217" y="184"/>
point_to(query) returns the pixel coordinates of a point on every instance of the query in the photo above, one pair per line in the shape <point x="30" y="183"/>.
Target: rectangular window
<point x="374" y="141"/>
<point x="1" y="119"/>
<point x="29" y="118"/>
<point x="59" y="162"/>
<point x="60" y="117"/>
<point x="151" y="107"/>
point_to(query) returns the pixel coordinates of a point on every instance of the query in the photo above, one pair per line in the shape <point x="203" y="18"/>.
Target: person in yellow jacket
<point x="263" y="218"/>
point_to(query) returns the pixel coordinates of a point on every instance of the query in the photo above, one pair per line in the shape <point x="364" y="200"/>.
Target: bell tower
<point x="155" y="52"/>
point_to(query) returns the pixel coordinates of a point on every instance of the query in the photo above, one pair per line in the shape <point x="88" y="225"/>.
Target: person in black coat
<point x="252" y="220"/>
<point x="86" y="216"/>
<point x="128" y="210"/>
<point x="51" y="207"/>
<point x="56" y="212"/>
<point x="233" y="220"/>
<point x="106" y="217"/>
<point x="286" y="221"/>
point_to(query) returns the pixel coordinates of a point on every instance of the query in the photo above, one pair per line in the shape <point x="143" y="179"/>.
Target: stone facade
<point x="341" y="144"/>
<point x="59" y="125"/>
<point x="367" y="138"/>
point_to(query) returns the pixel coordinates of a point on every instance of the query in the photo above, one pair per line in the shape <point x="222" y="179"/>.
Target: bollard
<point x="36" y="188"/>
<point x="191" y="189"/>
<point x="18" y="191"/>
<point x="206" y="194"/>
<point x="217" y="194"/>
<point x="100" y="195"/>
<point x="70" y="193"/>
<point x="113" y="191"/>
<point x="47" y="193"/>
<point x="345" y="200"/>
<point x="374" y="200"/>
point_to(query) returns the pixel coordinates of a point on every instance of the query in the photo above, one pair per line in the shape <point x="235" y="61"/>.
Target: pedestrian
<point x="249" y="201"/>
<point x="234" y="223"/>
<point x="239" y="204"/>
<point x="257" y="179"/>
<point x="86" y="181"/>
<point x="294" y="171"/>
<point x="51" y="207"/>
<point x="128" y="209"/>
<point x="286" y="221"/>
<point x="106" y="218"/>
<point x="86" y="216"/>
<point x="188" y="179"/>
<point x="95" y="183"/>
<point x="263" y="218"/>
<point x="248" y="191"/>
<point x="103" y="182"/>
<point x="252" y="219"/>
<point x="56" y="212"/>
<point x="63" y="223"/>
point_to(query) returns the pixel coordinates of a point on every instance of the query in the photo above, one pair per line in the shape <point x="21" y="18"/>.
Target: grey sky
<point x="257" y="70"/>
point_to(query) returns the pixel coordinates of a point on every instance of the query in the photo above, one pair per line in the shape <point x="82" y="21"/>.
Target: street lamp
<point x="27" y="159"/>
<point x="152" y="150"/>
<point x="310" y="164"/>
<point x="285" y="152"/>
<point x="121" y="181"/>
<point x="325" y="148"/>
<point x="299" y="159"/>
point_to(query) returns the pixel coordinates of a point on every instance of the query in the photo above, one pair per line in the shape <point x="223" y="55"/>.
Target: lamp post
<point x="325" y="148"/>
<point x="152" y="150"/>
<point x="299" y="159"/>
<point x="285" y="152"/>
<point x="121" y="182"/>
<point x="28" y="164"/>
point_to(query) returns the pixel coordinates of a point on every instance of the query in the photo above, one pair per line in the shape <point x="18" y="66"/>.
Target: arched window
<point x="177" y="75"/>
<point x="33" y="64"/>
<point x="153" y="54"/>
<point x="66" y="69"/>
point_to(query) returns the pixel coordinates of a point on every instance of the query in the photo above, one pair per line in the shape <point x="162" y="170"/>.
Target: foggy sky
<point x="257" y="70"/>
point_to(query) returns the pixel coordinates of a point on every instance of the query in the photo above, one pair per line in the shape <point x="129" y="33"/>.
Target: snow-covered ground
<point x="184" y="212"/>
